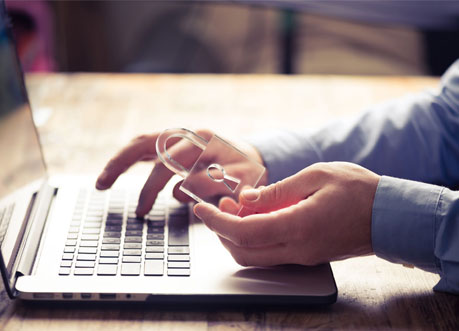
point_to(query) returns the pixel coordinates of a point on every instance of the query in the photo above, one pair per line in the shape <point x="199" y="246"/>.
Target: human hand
<point x="143" y="148"/>
<point x="320" y="214"/>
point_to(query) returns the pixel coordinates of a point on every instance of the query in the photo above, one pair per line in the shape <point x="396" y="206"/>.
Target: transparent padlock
<point x="216" y="169"/>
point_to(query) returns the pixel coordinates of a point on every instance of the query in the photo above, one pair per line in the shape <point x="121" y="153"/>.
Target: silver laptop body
<point x="60" y="239"/>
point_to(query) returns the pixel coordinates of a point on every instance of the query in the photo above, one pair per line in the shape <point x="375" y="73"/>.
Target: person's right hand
<point x="143" y="148"/>
<point x="320" y="214"/>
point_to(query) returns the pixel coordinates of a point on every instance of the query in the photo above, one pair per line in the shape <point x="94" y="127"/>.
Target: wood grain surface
<point x="85" y="118"/>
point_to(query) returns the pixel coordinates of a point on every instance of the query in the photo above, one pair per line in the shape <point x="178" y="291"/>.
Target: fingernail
<point x="251" y="194"/>
<point x="196" y="211"/>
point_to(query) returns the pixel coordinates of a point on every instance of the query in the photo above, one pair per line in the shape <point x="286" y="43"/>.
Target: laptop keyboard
<point x="106" y="238"/>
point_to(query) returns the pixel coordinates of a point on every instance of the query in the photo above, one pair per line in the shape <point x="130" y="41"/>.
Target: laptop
<point x="62" y="240"/>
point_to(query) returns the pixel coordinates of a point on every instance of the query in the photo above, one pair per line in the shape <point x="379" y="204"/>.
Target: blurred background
<point x="290" y="37"/>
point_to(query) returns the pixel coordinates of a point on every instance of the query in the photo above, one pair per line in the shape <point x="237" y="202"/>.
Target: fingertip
<point x="228" y="205"/>
<point x="198" y="210"/>
<point x="251" y="194"/>
<point x="180" y="195"/>
<point x="202" y="209"/>
<point x="102" y="182"/>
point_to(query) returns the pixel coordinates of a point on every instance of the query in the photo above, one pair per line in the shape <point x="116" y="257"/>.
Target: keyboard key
<point x="64" y="271"/>
<point x="110" y="247"/>
<point x="108" y="260"/>
<point x="154" y="268"/>
<point x="109" y="254"/>
<point x="178" y="231"/>
<point x="83" y="271"/>
<point x="133" y="239"/>
<point x="85" y="264"/>
<point x="116" y="210"/>
<point x="66" y="264"/>
<point x="114" y="222"/>
<point x="132" y="259"/>
<point x="115" y="216"/>
<point x="133" y="233"/>
<point x="86" y="257"/>
<point x="155" y="242"/>
<point x="155" y="236"/>
<point x="133" y="246"/>
<point x="107" y="269"/>
<point x="74" y="229"/>
<point x="178" y="272"/>
<point x="180" y="258"/>
<point x="155" y="218"/>
<point x="113" y="228"/>
<point x="154" y="256"/>
<point x="178" y="250"/>
<point x="70" y="243"/>
<point x="134" y="227"/>
<point x="134" y="221"/>
<point x="158" y="223"/>
<point x="90" y="237"/>
<point x="130" y="269"/>
<point x="89" y="244"/>
<point x="132" y="252"/>
<point x="157" y="213"/>
<point x="69" y="249"/>
<point x="154" y="249"/>
<point x="112" y="235"/>
<point x="111" y="241"/>
<point x="155" y="230"/>
<point x="67" y="256"/>
<point x="94" y="216"/>
<point x="72" y="236"/>
<point x="97" y="225"/>
<point x="178" y="265"/>
<point x="87" y="250"/>
<point x="91" y="231"/>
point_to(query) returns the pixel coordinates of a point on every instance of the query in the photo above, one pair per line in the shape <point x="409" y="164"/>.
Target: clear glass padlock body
<point x="220" y="170"/>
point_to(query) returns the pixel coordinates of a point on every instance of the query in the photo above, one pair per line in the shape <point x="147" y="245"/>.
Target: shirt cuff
<point x="403" y="222"/>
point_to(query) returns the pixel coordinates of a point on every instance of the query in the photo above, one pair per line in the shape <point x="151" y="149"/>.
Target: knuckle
<point x="140" y="138"/>
<point x="319" y="170"/>
<point x="242" y="240"/>
<point x="274" y="192"/>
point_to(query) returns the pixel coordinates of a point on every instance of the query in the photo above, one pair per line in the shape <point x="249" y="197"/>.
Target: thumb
<point x="276" y="196"/>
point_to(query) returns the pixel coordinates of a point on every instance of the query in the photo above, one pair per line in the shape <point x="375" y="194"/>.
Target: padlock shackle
<point x="166" y="158"/>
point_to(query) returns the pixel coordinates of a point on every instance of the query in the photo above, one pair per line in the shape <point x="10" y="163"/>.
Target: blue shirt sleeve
<point x="415" y="219"/>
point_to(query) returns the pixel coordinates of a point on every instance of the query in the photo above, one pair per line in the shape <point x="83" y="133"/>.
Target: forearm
<point x="413" y="138"/>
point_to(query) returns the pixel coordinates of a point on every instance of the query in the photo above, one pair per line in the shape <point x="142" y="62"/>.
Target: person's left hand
<point x="320" y="214"/>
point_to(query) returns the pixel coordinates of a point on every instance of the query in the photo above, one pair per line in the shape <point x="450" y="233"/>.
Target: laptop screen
<point x="20" y="153"/>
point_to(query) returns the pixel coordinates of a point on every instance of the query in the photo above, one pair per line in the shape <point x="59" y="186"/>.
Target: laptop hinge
<point x="33" y="233"/>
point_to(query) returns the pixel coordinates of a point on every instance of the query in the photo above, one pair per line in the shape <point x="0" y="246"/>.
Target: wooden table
<point x="86" y="118"/>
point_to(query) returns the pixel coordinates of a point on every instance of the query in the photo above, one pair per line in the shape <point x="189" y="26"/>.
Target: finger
<point x="158" y="178"/>
<point x="251" y="231"/>
<point x="229" y="206"/>
<point x="258" y="257"/>
<point x="180" y="195"/>
<point x="140" y="148"/>
<point x="184" y="153"/>
<point x="282" y="194"/>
